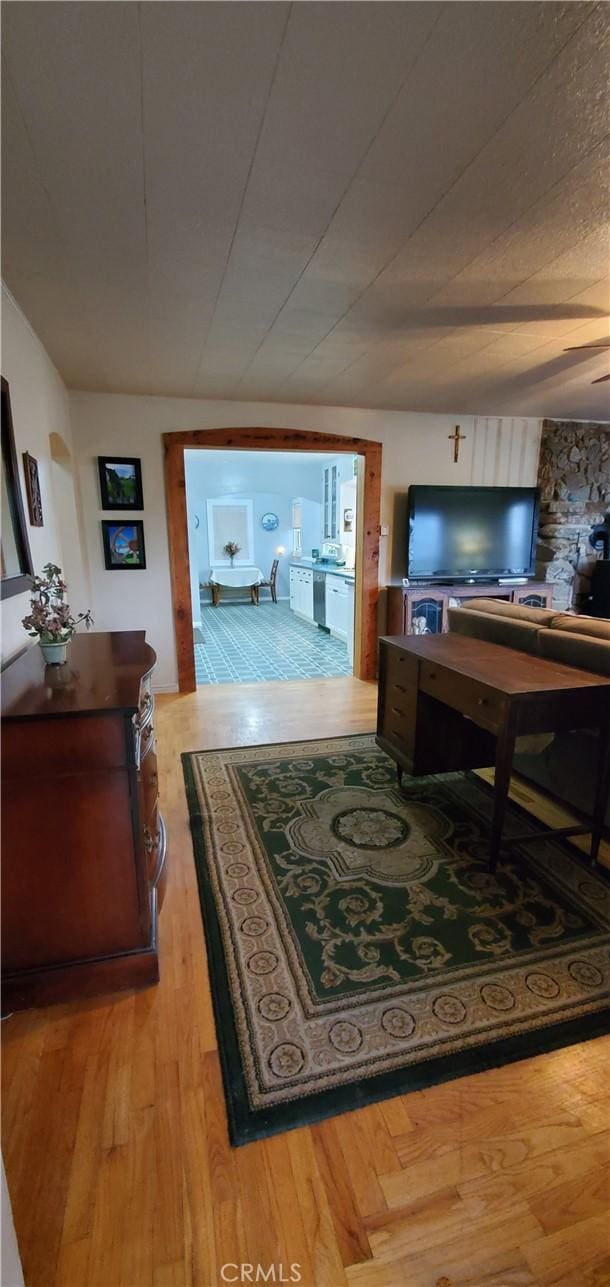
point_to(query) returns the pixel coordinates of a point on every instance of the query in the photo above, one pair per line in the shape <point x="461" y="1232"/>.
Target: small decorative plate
<point x="269" y="522"/>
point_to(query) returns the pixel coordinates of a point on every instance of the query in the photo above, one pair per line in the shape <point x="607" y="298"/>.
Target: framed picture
<point x="32" y="489"/>
<point x="120" y="482"/>
<point x="123" y="544"/>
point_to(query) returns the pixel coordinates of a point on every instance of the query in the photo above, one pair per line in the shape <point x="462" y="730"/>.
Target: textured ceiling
<point x="389" y="205"/>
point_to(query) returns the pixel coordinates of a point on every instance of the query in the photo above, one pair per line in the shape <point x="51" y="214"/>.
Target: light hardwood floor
<point x="114" y="1128"/>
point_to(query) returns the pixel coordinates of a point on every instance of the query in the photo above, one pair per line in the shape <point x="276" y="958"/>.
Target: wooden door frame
<point x="256" y="438"/>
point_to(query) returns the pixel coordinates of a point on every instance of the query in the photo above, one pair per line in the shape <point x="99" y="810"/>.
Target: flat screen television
<point x="471" y="533"/>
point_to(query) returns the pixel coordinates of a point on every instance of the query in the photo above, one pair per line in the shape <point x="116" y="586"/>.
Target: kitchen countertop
<point x="347" y="573"/>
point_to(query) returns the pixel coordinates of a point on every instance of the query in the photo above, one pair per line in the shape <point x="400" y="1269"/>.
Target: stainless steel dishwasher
<point x="319" y="598"/>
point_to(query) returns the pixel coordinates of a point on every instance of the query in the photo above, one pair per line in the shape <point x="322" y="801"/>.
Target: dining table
<point x="235" y="578"/>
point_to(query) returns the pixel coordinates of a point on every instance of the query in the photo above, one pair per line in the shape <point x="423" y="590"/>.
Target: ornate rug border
<point x="246" y="1124"/>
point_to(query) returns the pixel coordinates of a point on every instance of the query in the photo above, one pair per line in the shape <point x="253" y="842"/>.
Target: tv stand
<point x="423" y="609"/>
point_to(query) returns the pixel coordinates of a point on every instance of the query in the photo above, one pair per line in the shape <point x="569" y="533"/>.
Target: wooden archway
<point x="261" y="439"/>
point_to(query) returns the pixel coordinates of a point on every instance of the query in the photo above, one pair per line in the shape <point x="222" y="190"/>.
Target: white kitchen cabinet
<point x="301" y="592"/>
<point x="337" y="472"/>
<point x="330" y="476"/>
<point x="350" y="621"/>
<point x="337" y="606"/>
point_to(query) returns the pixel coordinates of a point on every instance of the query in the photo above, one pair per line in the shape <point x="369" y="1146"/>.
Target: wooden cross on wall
<point x="456" y="438"/>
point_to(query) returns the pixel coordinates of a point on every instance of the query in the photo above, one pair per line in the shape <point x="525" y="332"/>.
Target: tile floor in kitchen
<point x="240" y="644"/>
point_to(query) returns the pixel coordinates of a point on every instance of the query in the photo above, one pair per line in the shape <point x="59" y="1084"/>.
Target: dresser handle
<point x="395" y="711"/>
<point x="146" y="704"/>
<point x="151" y="843"/>
<point x="481" y="701"/>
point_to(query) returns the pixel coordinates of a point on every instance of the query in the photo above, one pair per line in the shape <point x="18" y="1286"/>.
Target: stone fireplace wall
<point x="574" y="481"/>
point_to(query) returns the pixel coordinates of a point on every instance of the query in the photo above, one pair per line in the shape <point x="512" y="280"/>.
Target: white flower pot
<point x="54" y="653"/>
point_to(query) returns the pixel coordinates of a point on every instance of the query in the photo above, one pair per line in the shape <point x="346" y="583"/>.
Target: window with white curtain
<point x="230" y="519"/>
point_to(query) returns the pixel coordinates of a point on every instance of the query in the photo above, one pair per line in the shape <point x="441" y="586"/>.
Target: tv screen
<point x="464" y="533"/>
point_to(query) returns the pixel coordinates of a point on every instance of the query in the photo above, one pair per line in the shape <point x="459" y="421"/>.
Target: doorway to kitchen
<point x="272" y="554"/>
<point x="255" y="438"/>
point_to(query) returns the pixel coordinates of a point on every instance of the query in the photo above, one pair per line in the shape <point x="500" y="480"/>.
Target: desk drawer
<point x="470" y="698"/>
<point x="400" y="668"/>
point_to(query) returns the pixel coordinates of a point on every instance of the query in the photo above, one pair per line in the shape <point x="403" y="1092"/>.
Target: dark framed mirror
<point x="16" y="559"/>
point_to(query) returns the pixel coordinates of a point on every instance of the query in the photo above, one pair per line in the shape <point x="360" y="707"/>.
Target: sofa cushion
<point x="516" y="611"/>
<point x="573" y="649"/>
<point x="495" y="629"/>
<point x="595" y="627"/>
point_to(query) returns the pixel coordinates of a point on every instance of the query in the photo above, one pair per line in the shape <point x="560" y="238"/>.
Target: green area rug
<point x="358" y="945"/>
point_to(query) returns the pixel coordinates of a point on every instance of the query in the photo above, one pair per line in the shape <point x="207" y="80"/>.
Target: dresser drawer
<point x="56" y="746"/>
<point x="475" y="700"/>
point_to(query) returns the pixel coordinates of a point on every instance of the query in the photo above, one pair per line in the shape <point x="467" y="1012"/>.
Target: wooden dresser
<point x="83" y="841"/>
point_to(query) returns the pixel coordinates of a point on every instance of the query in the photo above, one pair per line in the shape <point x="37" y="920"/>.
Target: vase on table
<point x="54" y="653"/>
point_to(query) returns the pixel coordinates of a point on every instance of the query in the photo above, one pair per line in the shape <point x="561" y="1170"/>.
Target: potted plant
<point x="50" y="619"/>
<point x="231" y="548"/>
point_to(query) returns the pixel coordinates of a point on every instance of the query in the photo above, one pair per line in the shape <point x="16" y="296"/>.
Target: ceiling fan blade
<point x="601" y="379"/>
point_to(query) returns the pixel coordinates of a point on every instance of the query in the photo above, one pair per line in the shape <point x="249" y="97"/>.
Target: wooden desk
<point x="448" y="702"/>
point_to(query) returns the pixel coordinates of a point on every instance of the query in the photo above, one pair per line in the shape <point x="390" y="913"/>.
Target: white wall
<point x="40" y="407"/>
<point x="271" y="481"/>
<point x="415" y="450"/>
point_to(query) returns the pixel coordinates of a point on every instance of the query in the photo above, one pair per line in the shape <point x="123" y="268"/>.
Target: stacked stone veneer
<point x="574" y="481"/>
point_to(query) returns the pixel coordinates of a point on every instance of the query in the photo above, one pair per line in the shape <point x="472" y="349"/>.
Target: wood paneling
<point x="115" y="1137"/>
<point x="263" y="439"/>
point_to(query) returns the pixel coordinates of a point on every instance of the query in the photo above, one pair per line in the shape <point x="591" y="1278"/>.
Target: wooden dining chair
<point x="270" y="584"/>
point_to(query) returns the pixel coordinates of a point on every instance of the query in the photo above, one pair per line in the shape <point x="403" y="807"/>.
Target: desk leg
<point x="504" y="762"/>
<point x="603" y="787"/>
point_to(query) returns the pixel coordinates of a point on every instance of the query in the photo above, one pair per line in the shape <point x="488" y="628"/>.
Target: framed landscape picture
<point x="120" y="482"/>
<point x="123" y="544"/>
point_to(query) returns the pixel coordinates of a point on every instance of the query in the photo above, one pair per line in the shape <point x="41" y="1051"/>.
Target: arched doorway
<point x="264" y="439"/>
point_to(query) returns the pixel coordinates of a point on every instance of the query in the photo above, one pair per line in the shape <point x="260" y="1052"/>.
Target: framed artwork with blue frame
<point x="123" y="544"/>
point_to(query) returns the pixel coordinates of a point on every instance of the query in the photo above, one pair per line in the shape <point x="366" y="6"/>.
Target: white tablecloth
<point x="236" y="577"/>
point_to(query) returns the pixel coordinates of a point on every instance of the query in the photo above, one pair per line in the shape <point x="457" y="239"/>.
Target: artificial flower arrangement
<point x="231" y="549"/>
<point x="50" y="619"/>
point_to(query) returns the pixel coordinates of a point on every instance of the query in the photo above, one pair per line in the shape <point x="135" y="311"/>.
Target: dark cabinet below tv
<point x="423" y="609"/>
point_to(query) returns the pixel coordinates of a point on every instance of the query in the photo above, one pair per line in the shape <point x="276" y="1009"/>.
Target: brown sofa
<point x="566" y="764"/>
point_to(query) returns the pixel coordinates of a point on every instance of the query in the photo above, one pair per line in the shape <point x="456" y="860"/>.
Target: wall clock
<point x="269" y="522"/>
